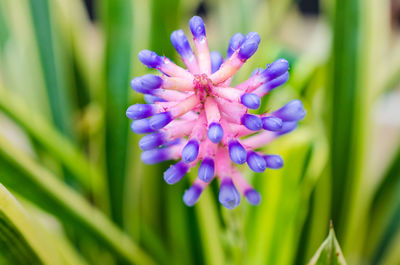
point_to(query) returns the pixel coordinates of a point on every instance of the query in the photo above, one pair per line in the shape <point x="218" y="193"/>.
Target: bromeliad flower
<point x="195" y="115"/>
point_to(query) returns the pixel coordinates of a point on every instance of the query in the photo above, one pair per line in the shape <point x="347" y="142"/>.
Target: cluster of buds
<point x="197" y="117"/>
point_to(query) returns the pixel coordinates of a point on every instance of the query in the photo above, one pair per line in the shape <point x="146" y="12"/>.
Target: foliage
<point x="329" y="252"/>
<point x="74" y="191"/>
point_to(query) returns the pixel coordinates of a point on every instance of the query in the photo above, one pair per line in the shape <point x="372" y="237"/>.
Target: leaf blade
<point x="117" y="22"/>
<point x="329" y="253"/>
<point x="66" y="204"/>
<point x="18" y="231"/>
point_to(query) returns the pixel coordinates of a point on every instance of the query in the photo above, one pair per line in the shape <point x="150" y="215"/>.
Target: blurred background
<point x="74" y="191"/>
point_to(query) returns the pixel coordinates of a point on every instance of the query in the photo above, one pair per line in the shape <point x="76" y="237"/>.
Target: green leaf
<point x="210" y="229"/>
<point x="385" y="210"/>
<point x="40" y="186"/>
<point x="52" y="141"/>
<point x="22" y="240"/>
<point x="178" y="226"/>
<point x="273" y="228"/>
<point x="52" y="66"/>
<point x="329" y="253"/>
<point x="345" y="91"/>
<point x="164" y="19"/>
<point x="117" y="22"/>
<point x="4" y="31"/>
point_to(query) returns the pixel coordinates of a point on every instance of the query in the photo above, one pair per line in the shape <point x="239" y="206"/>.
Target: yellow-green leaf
<point x="22" y="240"/>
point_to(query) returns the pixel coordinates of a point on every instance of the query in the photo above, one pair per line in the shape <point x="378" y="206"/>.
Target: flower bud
<point x="197" y="27"/>
<point x="251" y="122"/>
<point x="181" y="43"/>
<point x="175" y="173"/>
<point x="228" y="194"/>
<point x="190" y="151"/>
<point x="159" y="120"/>
<point x="150" y="59"/>
<point x="250" y="100"/>
<point x="215" y="132"/>
<point x="139" y="111"/>
<point x="237" y="153"/>
<point x="256" y="162"/>
<point x="272" y="123"/>
<point x="206" y="170"/>
<point x="192" y="195"/>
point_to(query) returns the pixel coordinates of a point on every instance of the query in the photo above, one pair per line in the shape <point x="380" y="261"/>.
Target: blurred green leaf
<point x="4" y="31"/>
<point x="165" y="16"/>
<point x="52" y="66"/>
<point x="385" y="212"/>
<point x="210" y="229"/>
<point x="285" y="191"/>
<point x="344" y="91"/>
<point x="329" y="252"/>
<point x="52" y="141"/>
<point x="314" y="230"/>
<point x="178" y="226"/>
<point x="117" y="24"/>
<point x="23" y="241"/>
<point x="37" y="184"/>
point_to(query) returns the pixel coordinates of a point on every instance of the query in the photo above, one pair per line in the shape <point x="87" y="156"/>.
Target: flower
<point x="195" y="115"/>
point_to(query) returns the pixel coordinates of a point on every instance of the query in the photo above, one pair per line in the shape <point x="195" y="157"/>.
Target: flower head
<point x="197" y="116"/>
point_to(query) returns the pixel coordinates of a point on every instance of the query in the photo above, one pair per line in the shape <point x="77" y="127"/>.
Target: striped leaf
<point x="39" y="185"/>
<point x="52" y="65"/>
<point x="22" y="240"/>
<point x="117" y="22"/>
<point x="329" y="253"/>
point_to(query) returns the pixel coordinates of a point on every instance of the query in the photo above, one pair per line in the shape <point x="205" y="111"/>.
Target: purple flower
<point x="196" y="116"/>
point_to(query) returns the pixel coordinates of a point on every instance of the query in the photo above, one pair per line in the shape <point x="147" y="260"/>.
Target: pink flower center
<point x="202" y="86"/>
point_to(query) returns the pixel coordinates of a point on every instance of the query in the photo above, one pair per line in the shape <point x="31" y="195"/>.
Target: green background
<point x="84" y="197"/>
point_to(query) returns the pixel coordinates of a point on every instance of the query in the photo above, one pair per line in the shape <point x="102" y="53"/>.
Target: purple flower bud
<point x="181" y="43"/>
<point x="152" y="141"/>
<point x="151" y="81"/>
<point x="150" y="99"/>
<point x="197" y="27"/>
<point x="190" y="151"/>
<point x="250" y="100"/>
<point x="150" y="59"/>
<point x="249" y="46"/>
<point x="272" y="123"/>
<point x="195" y="86"/>
<point x="228" y="194"/>
<point x="251" y="122"/>
<point x="256" y="162"/>
<point x="273" y="161"/>
<point x="292" y="111"/>
<point x="192" y="195"/>
<point x="155" y="156"/>
<point x="159" y="120"/>
<point x="216" y="61"/>
<point x="136" y="85"/>
<point x="139" y="111"/>
<point x="276" y="69"/>
<point x="206" y="170"/>
<point x="141" y="126"/>
<point x="287" y="127"/>
<point x="277" y="82"/>
<point x="234" y="44"/>
<point x="215" y="132"/>
<point x="237" y="153"/>
<point x="146" y="84"/>
<point x="175" y="173"/>
<point x="252" y="196"/>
